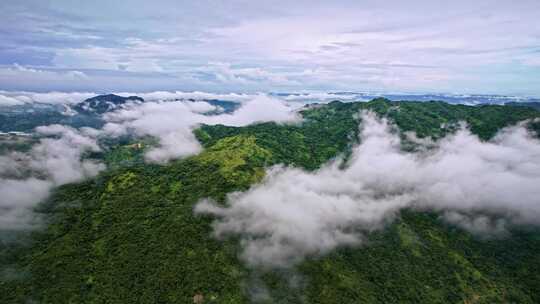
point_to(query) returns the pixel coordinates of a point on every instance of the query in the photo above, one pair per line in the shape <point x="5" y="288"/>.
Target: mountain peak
<point x="104" y="103"/>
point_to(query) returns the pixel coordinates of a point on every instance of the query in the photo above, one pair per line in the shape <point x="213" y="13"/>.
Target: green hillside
<point x="130" y="235"/>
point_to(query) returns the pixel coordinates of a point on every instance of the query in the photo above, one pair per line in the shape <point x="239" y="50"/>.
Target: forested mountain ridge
<point x="534" y="105"/>
<point x="104" y="103"/>
<point x="87" y="113"/>
<point x="130" y="235"/>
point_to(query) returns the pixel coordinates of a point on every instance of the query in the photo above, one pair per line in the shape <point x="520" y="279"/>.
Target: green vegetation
<point x="130" y="235"/>
<point x="124" y="151"/>
<point x="16" y="143"/>
<point x="533" y="104"/>
<point x="25" y="120"/>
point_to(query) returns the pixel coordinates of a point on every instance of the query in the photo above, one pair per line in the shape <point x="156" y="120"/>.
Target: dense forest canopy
<point x="130" y="235"/>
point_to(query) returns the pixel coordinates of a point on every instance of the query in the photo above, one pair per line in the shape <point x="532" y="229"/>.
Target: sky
<point x="481" y="46"/>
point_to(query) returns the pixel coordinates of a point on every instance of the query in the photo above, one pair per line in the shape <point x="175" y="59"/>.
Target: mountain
<point x="131" y="236"/>
<point x="24" y="118"/>
<point x="225" y="105"/>
<point x="104" y="103"/>
<point x="534" y="105"/>
<point x="468" y="99"/>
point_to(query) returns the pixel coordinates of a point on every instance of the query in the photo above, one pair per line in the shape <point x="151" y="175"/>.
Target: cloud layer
<point x="27" y="178"/>
<point x="294" y="213"/>
<point x="173" y="122"/>
<point x="11" y="98"/>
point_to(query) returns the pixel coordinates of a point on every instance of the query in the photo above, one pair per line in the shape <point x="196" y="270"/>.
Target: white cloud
<point x="294" y="213"/>
<point x="245" y="76"/>
<point x="77" y="74"/>
<point x="321" y="97"/>
<point x="18" y="199"/>
<point x="173" y="122"/>
<point x="480" y="225"/>
<point x="27" y="178"/>
<point x="9" y="101"/>
<point x="261" y="108"/>
<point x="195" y="95"/>
<point x="9" y="98"/>
<point x="460" y="46"/>
<point x="60" y="157"/>
<point x="61" y="74"/>
<point x="49" y="97"/>
<point x="19" y="76"/>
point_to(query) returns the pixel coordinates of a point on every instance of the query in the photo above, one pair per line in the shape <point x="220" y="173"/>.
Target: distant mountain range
<point x="24" y="118"/>
<point x="89" y="112"/>
<point x="106" y="103"/>
<point x="468" y="99"/>
<point x="534" y="105"/>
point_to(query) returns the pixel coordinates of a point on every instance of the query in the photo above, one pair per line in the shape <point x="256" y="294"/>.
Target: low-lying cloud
<point x="27" y="178"/>
<point x="173" y="122"/>
<point x="294" y="213"/>
<point x="196" y="95"/>
<point x="13" y="98"/>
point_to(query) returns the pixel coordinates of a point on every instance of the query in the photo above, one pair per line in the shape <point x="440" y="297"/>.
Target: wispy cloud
<point x="421" y="46"/>
<point x="173" y="122"/>
<point x="481" y="186"/>
<point x="27" y="178"/>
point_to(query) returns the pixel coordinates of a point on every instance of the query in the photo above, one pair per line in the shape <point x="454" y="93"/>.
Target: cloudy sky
<point x="457" y="46"/>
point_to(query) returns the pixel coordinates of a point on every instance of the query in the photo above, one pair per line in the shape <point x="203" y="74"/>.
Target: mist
<point x="481" y="186"/>
<point x="26" y="179"/>
<point x="13" y="98"/>
<point x="173" y="122"/>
